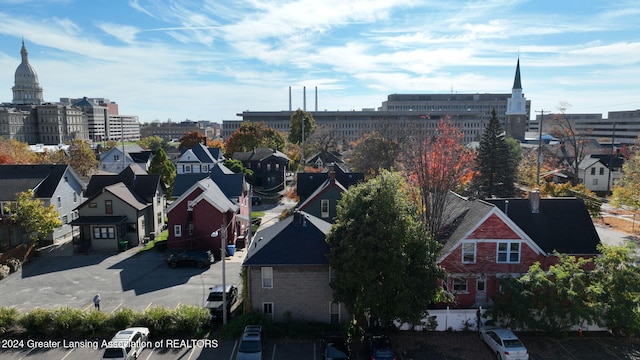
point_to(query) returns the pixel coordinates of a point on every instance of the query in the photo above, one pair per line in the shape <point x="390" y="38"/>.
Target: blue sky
<point x="212" y="59"/>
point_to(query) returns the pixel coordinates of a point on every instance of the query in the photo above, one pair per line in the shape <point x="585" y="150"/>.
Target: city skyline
<point x="164" y="60"/>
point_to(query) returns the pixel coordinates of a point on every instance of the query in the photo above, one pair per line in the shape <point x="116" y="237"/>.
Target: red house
<point x="490" y="239"/>
<point x="199" y="212"/>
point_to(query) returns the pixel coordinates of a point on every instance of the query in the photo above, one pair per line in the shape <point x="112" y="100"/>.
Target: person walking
<point x="96" y="301"/>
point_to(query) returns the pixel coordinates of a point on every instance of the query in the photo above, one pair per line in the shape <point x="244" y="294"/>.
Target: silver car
<point x="504" y="343"/>
<point x="251" y="344"/>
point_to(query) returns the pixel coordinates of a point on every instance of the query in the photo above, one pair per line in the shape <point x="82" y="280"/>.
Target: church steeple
<point x="516" y="81"/>
<point x="27" y="90"/>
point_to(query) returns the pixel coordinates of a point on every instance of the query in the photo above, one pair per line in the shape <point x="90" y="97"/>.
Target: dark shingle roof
<point x="183" y="182"/>
<point x="291" y="242"/>
<point x="43" y="179"/>
<point x="307" y="183"/>
<point x="562" y="224"/>
<point x="259" y="154"/>
<point x="142" y="185"/>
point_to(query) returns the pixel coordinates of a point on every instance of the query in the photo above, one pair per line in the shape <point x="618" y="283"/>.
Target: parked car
<point x="251" y="343"/>
<point x="380" y="348"/>
<point x="335" y="346"/>
<point x="199" y="258"/>
<point x="214" y="300"/>
<point x="256" y="200"/>
<point x="127" y="344"/>
<point x="504" y="343"/>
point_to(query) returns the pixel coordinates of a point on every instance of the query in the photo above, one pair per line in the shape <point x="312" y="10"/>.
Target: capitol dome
<point x="27" y="89"/>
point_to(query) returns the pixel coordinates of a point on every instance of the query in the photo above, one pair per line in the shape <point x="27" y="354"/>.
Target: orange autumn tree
<point x="15" y="152"/>
<point x="441" y="164"/>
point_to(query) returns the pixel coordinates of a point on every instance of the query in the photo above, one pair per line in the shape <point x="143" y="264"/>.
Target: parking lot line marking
<point x="178" y="304"/>
<point x="27" y="354"/>
<point x="314" y="350"/>
<point x="148" y="306"/>
<point x="233" y="351"/>
<point x="193" y="349"/>
<point x="273" y="354"/>
<point x="565" y="349"/>
<point x="117" y="307"/>
<point x="67" y="354"/>
<point x="86" y="308"/>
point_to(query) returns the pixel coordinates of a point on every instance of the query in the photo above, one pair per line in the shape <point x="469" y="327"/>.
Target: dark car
<point x="256" y="200"/>
<point x="335" y="346"/>
<point x="198" y="258"/>
<point x="214" y="300"/>
<point x="380" y="348"/>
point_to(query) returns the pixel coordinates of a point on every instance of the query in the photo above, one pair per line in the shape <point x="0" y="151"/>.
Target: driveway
<point x="132" y="279"/>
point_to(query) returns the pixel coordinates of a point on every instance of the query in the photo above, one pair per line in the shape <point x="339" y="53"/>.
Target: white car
<point x="127" y="344"/>
<point x="504" y="343"/>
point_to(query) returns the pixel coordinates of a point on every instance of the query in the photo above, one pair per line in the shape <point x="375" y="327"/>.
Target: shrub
<point x="4" y="271"/>
<point x="122" y="319"/>
<point x="66" y="321"/>
<point x="36" y="321"/>
<point x="190" y="319"/>
<point x="98" y="324"/>
<point x="13" y="264"/>
<point x="159" y="321"/>
<point x="9" y="317"/>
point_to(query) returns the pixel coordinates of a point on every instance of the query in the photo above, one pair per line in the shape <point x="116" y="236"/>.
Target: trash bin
<point x="231" y="249"/>
<point x="123" y="245"/>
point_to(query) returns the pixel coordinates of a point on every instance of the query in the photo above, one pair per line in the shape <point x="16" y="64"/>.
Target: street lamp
<point x="223" y="239"/>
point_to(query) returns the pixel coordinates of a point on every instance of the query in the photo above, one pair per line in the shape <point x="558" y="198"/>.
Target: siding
<point x="302" y="291"/>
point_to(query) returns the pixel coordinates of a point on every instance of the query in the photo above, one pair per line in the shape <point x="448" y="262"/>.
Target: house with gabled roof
<point x="269" y="167"/>
<point x="136" y="188"/>
<point x="118" y="158"/>
<point x="309" y="183"/>
<point x="197" y="213"/>
<point x="198" y="159"/>
<point x="323" y="158"/>
<point x="57" y="185"/>
<point x="322" y="203"/>
<point x="489" y="239"/>
<point x="288" y="273"/>
<point x="600" y="172"/>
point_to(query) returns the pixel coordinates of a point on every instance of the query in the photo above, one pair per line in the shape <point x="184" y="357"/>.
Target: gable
<point x="493" y="228"/>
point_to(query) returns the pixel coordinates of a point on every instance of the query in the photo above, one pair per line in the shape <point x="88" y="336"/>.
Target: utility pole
<point x="539" y="146"/>
<point x="613" y="144"/>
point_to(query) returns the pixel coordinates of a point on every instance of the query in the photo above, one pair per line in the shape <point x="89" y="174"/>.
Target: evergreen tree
<point x="496" y="163"/>
<point x="161" y="165"/>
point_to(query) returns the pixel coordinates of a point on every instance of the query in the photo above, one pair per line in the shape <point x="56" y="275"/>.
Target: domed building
<point x="27" y="90"/>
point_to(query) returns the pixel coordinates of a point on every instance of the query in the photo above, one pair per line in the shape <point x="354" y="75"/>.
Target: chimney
<point x="332" y="172"/>
<point x="299" y="219"/>
<point x="534" y="200"/>
<point x="506" y="207"/>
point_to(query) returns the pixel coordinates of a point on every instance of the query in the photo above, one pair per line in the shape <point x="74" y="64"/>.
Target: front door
<point x="481" y="290"/>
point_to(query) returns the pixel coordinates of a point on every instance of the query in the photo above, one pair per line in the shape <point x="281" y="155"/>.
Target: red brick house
<point x="197" y="213"/>
<point x="487" y="240"/>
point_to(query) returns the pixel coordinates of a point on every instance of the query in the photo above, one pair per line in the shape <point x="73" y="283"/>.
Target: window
<point x="268" y="167"/>
<point x="595" y="181"/>
<point x="468" y="252"/>
<point x="59" y="201"/>
<point x="267" y="309"/>
<point x="159" y="216"/>
<point x="593" y="171"/>
<point x="601" y="171"/>
<point x="177" y="230"/>
<point x="335" y="313"/>
<point x="459" y="284"/>
<point x="267" y="277"/>
<point x="480" y="284"/>
<point x="104" y="232"/>
<point x="187" y="168"/>
<point x="75" y="198"/>
<point x="332" y="275"/>
<point x="108" y="207"/>
<point x="93" y="205"/>
<point x="65" y="219"/>
<point x="324" y="208"/>
<point x="508" y="252"/>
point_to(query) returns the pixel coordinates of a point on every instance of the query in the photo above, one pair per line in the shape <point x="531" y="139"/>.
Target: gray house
<point x="288" y="271"/>
<point x="57" y="185"/>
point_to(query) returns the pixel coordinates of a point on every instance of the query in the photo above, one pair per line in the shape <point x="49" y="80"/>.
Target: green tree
<point x="237" y="167"/>
<point x="295" y="132"/>
<point x="550" y="300"/>
<point x="253" y="135"/>
<point x="496" y="163"/>
<point x="161" y="165"/>
<point x="35" y="219"/>
<point x="384" y="264"/>
<point x="373" y="152"/>
<point x="153" y="143"/>
<point x="617" y="276"/>
<point x="81" y="158"/>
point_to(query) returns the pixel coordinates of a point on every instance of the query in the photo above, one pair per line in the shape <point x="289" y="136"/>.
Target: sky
<point x="213" y="59"/>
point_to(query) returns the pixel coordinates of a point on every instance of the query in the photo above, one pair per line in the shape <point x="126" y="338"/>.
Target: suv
<point x="199" y="258"/>
<point x="380" y="348"/>
<point x="335" y="346"/>
<point x="214" y="300"/>
<point x="251" y="343"/>
<point x="127" y="344"/>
